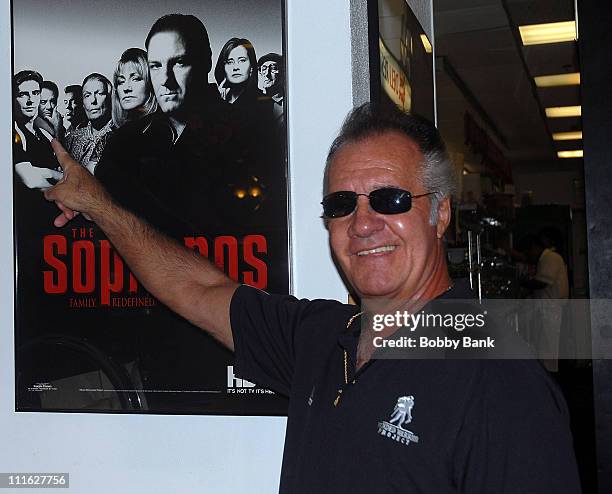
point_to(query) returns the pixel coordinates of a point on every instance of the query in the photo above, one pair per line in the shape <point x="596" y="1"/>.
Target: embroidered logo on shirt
<point x="402" y="414"/>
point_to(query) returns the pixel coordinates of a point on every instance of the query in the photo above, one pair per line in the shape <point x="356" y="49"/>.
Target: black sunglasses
<point x="388" y="200"/>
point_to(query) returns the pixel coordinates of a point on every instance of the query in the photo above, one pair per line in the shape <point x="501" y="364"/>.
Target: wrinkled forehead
<point x="95" y="85"/>
<point x="388" y="158"/>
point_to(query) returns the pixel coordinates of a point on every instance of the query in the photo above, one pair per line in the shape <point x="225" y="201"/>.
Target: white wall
<point x="185" y="454"/>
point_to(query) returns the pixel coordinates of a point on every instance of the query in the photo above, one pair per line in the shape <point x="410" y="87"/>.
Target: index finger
<point x="64" y="159"/>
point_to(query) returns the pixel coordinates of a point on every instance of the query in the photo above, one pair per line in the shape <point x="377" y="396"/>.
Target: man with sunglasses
<point x="356" y="423"/>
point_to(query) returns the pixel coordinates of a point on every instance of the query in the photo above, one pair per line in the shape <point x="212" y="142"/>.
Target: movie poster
<point x="178" y="108"/>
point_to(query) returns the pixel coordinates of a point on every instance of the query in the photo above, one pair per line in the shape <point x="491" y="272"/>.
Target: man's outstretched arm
<point x="178" y="277"/>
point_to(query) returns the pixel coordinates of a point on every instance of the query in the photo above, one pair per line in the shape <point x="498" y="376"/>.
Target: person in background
<point x="33" y="158"/>
<point x="550" y="286"/>
<point x="34" y="170"/>
<point x="74" y="115"/>
<point x="48" y="99"/>
<point x="133" y="97"/>
<point x="86" y="144"/>
<point x="236" y="72"/>
<point x="48" y="111"/>
<point x="257" y="142"/>
<point x="271" y="81"/>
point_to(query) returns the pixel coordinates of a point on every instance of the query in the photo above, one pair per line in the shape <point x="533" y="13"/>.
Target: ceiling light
<point x="552" y="32"/>
<point x="567" y="136"/>
<point x="563" y="111"/>
<point x="426" y="43"/>
<point x="578" y="153"/>
<point x="572" y="79"/>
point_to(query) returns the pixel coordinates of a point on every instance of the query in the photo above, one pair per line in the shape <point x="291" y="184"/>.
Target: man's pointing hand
<point x="78" y="191"/>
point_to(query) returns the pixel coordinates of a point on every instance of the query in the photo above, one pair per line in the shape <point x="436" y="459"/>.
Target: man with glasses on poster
<point x="358" y="423"/>
<point x="271" y="80"/>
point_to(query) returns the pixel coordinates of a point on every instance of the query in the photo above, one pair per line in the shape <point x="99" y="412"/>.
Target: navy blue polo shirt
<point x="470" y="426"/>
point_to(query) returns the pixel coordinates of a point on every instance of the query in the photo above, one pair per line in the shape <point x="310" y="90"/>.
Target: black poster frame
<point x="229" y="395"/>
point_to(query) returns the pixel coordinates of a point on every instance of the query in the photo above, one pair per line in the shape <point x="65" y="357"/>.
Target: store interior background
<point x="512" y="174"/>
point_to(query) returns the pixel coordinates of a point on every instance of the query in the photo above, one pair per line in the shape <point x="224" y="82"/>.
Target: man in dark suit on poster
<point x="175" y="167"/>
<point x="178" y="169"/>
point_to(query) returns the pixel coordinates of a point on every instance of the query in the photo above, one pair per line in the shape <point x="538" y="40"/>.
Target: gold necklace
<point x="348" y="325"/>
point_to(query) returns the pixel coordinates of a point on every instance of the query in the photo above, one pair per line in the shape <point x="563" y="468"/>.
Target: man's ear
<point x="444" y="216"/>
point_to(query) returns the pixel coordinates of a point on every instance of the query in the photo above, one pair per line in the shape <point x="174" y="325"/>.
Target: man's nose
<point x="364" y="220"/>
<point x="94" y="100"/>
<point x="127" y="88"/>
<point x="169" y="80"/>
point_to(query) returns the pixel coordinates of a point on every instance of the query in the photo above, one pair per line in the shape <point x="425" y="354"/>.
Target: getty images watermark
<point x="412" y="322"/>
<point x="491" y="329"/>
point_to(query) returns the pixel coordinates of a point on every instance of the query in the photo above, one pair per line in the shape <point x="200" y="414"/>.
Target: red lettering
<point x="83" y="249"/>
<point x="252" y="244"/>
<point x="197" y="243"/>
<point x="230" y="254"/>
<point x="55" y="282"/>
<point x="111" y="277"/>
<point x="231" y="244"/>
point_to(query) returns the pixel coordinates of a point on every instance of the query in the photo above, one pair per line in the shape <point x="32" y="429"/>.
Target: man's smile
<point x="377" y="250"/>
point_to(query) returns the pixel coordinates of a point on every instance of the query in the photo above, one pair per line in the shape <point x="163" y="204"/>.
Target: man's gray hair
<point x="99" y="77"/>
<point x="437" y="174"/>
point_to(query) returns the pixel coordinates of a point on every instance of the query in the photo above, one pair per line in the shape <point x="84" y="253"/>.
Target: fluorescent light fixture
<point x="552" y="32"/>
<point x="572" y="79"/>
<point x="567" y="136"/>
<point x="426" y="43"/>
<point x="578" y="153"/>
<point x="563" y="111"/>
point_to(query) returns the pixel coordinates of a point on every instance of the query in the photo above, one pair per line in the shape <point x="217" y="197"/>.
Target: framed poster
<point x="178" y="108"/>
